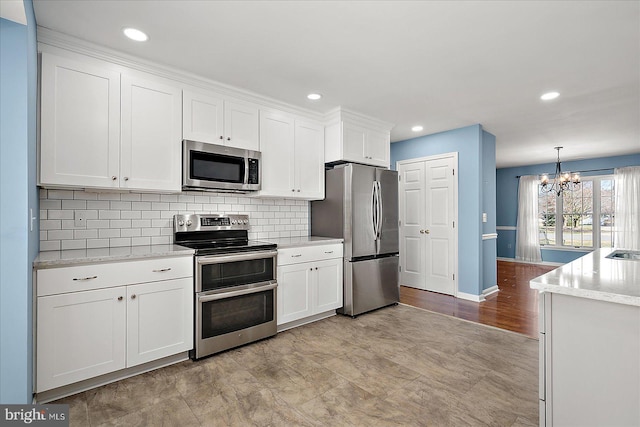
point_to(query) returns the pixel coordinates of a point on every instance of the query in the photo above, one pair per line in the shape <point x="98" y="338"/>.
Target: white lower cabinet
<point x="309" y="282"/>
<point x="82" y="334"/>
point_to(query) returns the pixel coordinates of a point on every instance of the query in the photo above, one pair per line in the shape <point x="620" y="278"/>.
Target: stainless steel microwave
<point x="216" y="167"/>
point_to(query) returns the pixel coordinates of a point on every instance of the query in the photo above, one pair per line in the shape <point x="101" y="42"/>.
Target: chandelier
<point x="562" y="181"/>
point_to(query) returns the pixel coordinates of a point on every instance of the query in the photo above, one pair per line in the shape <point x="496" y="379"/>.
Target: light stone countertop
<point x="595" y="277"/>
<point x="51" y="259"/>
<point x="294" y="242"/>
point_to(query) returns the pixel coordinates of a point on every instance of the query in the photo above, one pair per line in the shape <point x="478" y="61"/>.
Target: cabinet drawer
<point x="309" y="253"/>
<point x="95" y="276"/>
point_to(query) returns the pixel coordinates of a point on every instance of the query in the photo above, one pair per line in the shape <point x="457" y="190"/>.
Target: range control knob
<point x="180" y="222"/>
<point x="189" y="223"/>
<point x="246" y="221"/>
<point x="234" y="222"/>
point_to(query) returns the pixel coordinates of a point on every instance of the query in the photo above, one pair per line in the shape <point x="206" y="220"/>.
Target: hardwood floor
<point x="514" y="307"/>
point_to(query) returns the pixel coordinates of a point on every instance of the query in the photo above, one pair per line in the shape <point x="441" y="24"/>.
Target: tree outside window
<point x="587" y="215"/>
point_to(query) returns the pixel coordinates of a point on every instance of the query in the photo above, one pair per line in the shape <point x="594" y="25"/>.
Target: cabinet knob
<point x="133" y="296"/>
<point x="126" y="178"/>
<point x="311" y="269"/>
<point x="119" y="298"/>
<point x="228" y="138"/>
<point x="316" y="268"/>
<point x="298" y="190"/>
<point x="293" y="189"/>
<point x="221" y="137"/>
<point x="113" y="178"/>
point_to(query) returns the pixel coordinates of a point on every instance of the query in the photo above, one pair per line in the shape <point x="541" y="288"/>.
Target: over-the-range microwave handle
<point x="246" y="170"/>
<point x="224" y="295"/>
<point x="217" y="259"/>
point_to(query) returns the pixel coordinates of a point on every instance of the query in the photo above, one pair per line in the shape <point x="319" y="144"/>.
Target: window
<point x="582" y="218"/>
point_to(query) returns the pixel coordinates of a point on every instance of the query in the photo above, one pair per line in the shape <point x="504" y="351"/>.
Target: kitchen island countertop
<point x="51" y="259"/>
<point x="595" y="277"/>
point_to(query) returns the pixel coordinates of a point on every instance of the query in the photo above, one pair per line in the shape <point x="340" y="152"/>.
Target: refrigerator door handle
<point x="374" y="210"/>
<point x="379" y="216"/>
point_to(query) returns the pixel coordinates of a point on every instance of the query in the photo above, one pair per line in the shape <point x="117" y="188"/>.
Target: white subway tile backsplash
<point x="122" y="219"/>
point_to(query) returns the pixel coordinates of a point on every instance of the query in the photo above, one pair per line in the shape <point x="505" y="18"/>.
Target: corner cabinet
<point x="210" y="117"/>
<point x="91" y="322"/>
<point x="351" y="137"/>
<point x="292" y="156"/>
<point x="103" y="128"/>
<point x="309" y="283"/>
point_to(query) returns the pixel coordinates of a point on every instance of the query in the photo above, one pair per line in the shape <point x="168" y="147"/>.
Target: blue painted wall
<point x="468" y="142"/>
<point x="488" y="170"/>
<point x="507" y="190"/>
<point x="18" y="193"/>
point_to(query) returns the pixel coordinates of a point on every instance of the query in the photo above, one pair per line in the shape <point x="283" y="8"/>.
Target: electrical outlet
<point x="509" y="246"/>
<point x="80" y="219"/>
<point x="484" y="217"/>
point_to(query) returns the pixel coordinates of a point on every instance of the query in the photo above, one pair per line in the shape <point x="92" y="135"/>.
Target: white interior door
<point x="428" y="214"/>
<point x="411" y="210"/>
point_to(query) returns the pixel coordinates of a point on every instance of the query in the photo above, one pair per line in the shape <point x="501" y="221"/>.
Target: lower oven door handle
<point x="217" y="259"/>
<point x="223" y="295"/>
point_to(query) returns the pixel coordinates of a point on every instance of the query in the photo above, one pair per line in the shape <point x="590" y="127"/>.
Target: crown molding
<point x="49" y="37"/>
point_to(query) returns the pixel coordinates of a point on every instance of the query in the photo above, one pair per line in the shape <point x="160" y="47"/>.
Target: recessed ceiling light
<point x="314" y="96"/>
<point x="417" y="128"/>
<point x="549" y="96"/>
<point x="135" y="34"/>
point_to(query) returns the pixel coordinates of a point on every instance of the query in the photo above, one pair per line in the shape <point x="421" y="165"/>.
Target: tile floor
<point x="398" y="366"/>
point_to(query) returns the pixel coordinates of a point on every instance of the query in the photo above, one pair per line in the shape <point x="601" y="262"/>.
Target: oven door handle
<point x="217" y="259"/>
<point x="223" y="295"/>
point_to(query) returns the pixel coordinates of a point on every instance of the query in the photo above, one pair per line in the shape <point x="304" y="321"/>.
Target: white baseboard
<point x="470" y="297"/>
<point x="552" y="264"/>
<point x="490" y="291"/>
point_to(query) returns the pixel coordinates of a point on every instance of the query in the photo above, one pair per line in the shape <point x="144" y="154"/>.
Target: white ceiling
<point x="440" y="64"/>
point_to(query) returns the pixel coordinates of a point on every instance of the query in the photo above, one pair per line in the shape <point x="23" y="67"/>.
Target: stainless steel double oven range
<point x="235" y="281"/>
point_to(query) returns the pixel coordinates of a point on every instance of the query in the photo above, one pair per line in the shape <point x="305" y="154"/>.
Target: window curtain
<point x="527" y="232"/>
<point x="627" y="219"/>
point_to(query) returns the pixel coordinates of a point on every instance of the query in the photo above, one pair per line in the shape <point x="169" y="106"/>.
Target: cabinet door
<point x="294" y="292"/>
<point x="159" y="320"/>
<point x="80" y="335"/>
<point x="276" y="145"/>
<point x="202" y="117"/>
<point x="353" y="142"/>
<point x="328" y="285"/>
<point x="309" y="160"/>
<point x="378" y="146"/>
<point x="151" y="130"/>
<point x="241" y="125"/>
<point x="80" y="124"/>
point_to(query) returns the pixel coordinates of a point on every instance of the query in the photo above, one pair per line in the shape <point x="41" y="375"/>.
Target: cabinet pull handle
<point x="161" y="270"/>
<point x="296" y="256"/>
<point x="85" y="278"/>
<point x="328" y="252"/>
<point x="133" y="296"/>
<point x="119" y="298"/>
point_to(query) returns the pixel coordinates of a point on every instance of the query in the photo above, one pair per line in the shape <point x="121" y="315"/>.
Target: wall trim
<point x="506" y="227"/>
<point x="553" y="264"/>
<point x="47" y="37"/>
<point x="490" y="291"/>
<point x="489" y="236"/>
<point x="470" y="297"/>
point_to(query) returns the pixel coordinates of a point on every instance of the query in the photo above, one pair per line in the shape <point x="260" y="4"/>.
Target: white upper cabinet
<point x="212" y="118"/>
<point x="79" y="124"/>
<point x="292" y="156"/>
<point x="309" y="160"/>
<point x="151" y="145"/>
<point x="350" y="137"/>
<point x="104" y="129"/>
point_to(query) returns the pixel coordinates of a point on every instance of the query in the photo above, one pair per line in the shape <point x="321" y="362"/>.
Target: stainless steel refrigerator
<point x="361" y="206"/>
